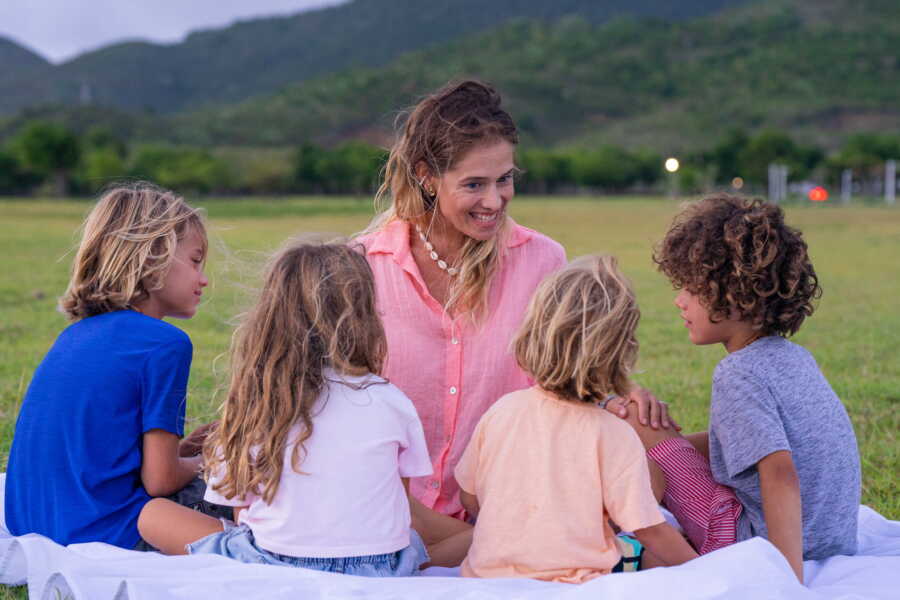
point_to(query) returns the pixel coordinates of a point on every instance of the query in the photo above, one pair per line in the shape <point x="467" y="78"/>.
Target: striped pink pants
<point x="707" y="511"/>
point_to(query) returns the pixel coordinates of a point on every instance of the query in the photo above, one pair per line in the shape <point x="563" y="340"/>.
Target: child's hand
<point x="192" y="445"/>
<point x="650" y="409"/>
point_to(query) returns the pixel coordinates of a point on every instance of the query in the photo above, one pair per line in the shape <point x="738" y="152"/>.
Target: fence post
<point x="846" y="185"/>
<point x="773" y="183"/>
<point x="890" y="182"/>
<point x="783" y="183"/>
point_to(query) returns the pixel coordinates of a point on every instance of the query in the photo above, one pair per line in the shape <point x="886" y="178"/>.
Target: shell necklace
<point x="442" y="264"/>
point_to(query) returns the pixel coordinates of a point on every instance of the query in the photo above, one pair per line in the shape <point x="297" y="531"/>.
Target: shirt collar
<point x="394" y="239"/>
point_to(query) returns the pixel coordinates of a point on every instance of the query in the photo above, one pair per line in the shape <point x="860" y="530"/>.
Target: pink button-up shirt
<point x="452" y="369"/>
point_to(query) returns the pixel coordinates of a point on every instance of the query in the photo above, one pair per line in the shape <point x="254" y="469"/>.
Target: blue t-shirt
<point x="74" y="472"/>
<point x="771" y="396"/>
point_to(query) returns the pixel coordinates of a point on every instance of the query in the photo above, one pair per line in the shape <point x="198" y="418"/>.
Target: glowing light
<point x="818" y="194"/>
<point x="737" y="183"/>
<point x="672" y="164"/>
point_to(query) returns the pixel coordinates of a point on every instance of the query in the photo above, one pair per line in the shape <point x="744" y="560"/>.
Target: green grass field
<point x="855" y="333"/>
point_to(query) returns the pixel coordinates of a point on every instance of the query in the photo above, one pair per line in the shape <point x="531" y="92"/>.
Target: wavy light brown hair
<point x="127" y="246"/>
<point x="316" y="310"/>
<point x="740" y="258"/>
<point x="436" y="135"/>
<point x="578" y="337"/>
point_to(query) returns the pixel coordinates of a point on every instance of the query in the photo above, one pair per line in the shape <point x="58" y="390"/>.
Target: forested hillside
<point x="253" y="57"/>
<point x="810" y="84"/>
<point x="631" y="82"/>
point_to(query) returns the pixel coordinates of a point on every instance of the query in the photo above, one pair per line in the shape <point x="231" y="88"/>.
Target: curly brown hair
<point x="739" y="256"/>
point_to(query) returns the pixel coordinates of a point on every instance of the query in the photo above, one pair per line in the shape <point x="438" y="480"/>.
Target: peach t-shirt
<point x="548" y="474"/>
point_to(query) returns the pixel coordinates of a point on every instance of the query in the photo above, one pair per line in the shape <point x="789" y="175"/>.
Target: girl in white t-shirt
<point x="313" y="447"/>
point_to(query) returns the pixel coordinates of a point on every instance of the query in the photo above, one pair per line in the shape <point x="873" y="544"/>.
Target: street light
<point x="671" y="166"/>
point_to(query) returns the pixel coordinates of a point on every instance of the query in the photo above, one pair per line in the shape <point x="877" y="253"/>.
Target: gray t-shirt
<point x="771" y="396"/>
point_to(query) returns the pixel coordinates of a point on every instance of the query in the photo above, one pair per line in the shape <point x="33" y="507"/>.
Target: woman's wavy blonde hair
<point x="316" y="310"/>
<point x="578" y="337"/>
<point x="437" y="134"/>
<point x="127" y="246"/>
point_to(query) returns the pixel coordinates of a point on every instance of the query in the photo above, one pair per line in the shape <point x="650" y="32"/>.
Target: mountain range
<point x="574" y="72"/>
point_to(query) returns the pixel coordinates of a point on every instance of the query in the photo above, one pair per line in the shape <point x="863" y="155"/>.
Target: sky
<point x="61" y="29"/>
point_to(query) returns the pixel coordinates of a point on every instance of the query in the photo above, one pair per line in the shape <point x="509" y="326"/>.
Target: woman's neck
<point x="447" y="241"/>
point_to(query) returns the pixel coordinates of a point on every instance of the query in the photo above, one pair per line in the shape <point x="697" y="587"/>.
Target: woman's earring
<point x="429" y="195"/>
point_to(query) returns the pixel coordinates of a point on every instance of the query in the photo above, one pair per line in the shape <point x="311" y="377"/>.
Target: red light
<point x="818" y="194"/>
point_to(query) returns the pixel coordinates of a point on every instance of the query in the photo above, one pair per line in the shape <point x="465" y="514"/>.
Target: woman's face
<point x="472" y="196"/>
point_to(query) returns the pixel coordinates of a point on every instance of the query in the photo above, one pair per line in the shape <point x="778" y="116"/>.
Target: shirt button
<point x="434" y="484"/>
<point x="453" y="389"/>
<point x="454" y="341"/>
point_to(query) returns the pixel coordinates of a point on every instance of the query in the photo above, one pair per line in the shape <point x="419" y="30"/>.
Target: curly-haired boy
<point x="782" y="456"/>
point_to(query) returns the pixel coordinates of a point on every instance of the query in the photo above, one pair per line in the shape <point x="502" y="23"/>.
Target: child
<point x="779" y="436"/>
<point x="547" y="467"/>
<point x="99" y="428"/>
<point x="312" y="444"/>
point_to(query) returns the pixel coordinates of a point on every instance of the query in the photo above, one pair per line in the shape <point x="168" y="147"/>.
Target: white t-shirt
<point x="350" y="500"/>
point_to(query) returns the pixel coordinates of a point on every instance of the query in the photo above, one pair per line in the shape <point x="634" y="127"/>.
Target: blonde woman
<point x="312" y="443"/>
<point x="547" y="468"/>
<point x="98" y="432"/>
<point x="453" y="275"/>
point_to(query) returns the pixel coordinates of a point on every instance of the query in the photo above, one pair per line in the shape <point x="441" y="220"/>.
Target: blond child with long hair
<point x="98" y="432"/>
<point x="547" y="468"/>
<point x="313" y="447"/>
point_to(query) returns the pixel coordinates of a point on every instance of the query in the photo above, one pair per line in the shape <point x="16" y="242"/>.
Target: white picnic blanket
<point x="750" y="570"/>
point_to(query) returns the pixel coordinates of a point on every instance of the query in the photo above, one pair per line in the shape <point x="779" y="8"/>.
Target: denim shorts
<point x="237" y="542"/>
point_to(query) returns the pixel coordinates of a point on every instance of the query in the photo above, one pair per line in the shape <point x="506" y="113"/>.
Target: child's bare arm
<point x="700" y="442"/>
<point x="666" y="544"/>
<point x="163" y="472"/>
<point x="446" y="538"/>
<point x="780" y="490"/>
<point x="470" y="503"/>
<point x="192" y="444"/>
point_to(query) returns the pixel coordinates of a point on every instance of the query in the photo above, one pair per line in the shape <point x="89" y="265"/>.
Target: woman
<point x="453" y="276"/>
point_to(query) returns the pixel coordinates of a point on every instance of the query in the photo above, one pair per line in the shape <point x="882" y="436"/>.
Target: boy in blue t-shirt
<point x="780" y="458"/>
<point x="98" y="432"/>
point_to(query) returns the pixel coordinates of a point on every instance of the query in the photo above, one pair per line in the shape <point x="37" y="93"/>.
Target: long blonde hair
<point x="316" y="310"/>
<point x="578" y="337"/>
<point x="437" y="134"/>
<point x="127" y="246"/>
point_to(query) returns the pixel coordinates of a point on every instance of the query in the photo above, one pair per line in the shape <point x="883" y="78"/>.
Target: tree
<point x="13" y="177"/>
<point x="544" y="170"/>
<point x="49" y="150"/>
<point x="101" y="166"/>
<point x="865" y="154"/>
<point x="777" y="147"/>
<point x="724" y="157"/>
<point x="306" y="174"/>
<point x="180" y="168"/>
<point x="609" y="167"/>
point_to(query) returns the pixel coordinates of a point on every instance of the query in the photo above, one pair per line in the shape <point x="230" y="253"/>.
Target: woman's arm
<point x="163" y="472"/>
<point x="780" y="489"/>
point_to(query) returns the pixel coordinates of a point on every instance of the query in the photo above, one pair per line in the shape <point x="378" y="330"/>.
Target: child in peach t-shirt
<point x="547" y="468"/>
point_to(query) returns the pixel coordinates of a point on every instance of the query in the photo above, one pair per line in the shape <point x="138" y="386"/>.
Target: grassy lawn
<point x="855" y="333"/>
